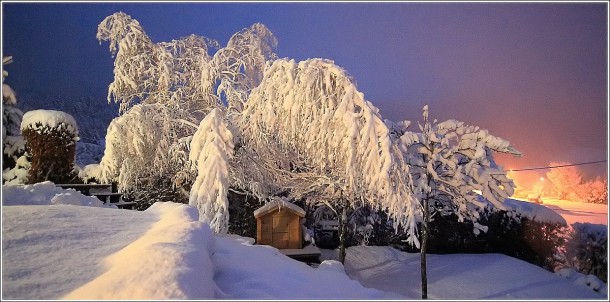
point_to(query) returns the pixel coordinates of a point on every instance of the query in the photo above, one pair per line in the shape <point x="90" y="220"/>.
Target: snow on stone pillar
<point x="51" y="138"/>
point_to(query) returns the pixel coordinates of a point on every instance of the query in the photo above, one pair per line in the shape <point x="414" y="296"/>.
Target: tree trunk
<point x="342" y="231"/>
<point x="424" y="246"/>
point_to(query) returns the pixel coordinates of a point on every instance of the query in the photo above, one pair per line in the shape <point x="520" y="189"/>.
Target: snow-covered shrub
<point x="369" y="226"/>
<point x="50" y="140"/>
<point x="18" y="175"/>
<point x="585" y="250"/>
<point x="156" y="189"/>
<point x="92" y="117"/>
<point x="13" y="149"/>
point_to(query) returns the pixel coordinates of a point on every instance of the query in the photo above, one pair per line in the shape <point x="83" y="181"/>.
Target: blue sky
<point x="532" y="73"/>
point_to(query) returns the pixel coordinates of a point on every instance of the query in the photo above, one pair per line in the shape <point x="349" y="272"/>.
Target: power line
<point x="551" y="167"/>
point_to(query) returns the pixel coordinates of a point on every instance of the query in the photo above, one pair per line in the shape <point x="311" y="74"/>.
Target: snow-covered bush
<point x="585" y="250"/>
<point x="92" y="117"/>
<point x="50" y="140"/>
<point x="370" y="226"/>
<point x="18" y="175"/>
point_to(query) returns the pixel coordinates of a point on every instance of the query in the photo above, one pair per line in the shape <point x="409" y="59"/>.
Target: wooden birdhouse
<point x="278" y="224"/>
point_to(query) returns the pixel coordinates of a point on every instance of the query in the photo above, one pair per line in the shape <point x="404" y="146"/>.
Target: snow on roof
<point x="534" y="211"/>
<point x="40" y="119"/>
<point x="279" y="203"/>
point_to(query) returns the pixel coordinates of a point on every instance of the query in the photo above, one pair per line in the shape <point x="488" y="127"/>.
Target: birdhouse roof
<point x="281" y="204"/>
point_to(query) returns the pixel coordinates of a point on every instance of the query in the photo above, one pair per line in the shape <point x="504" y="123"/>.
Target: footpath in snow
<point x="56" y="251"/>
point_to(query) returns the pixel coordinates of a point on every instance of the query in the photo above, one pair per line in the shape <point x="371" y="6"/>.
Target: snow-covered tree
<point x="565" y="178"/>
<point x="181" y="73"/>
<point x="183" y="82"/>
<point x="137" y="145"/>
<point x="318" y="137"/>
<point x="453" y="171"/>
<point x="595" y="191"/>
<point x="136" y="74"/>
<point x="211" y="148"/>
<point x="13" y="147"/>
<point x="240" y="65"/>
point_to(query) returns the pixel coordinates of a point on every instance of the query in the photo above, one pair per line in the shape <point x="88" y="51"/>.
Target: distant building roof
<point x="279" y="203"/>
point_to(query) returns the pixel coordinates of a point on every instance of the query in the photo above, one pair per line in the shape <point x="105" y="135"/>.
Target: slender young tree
<point x="453" y="171"/>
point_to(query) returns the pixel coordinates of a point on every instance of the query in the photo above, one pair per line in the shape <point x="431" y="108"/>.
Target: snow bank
<point x="92" y="253"/>
<point x="41" y="119"/>
<point x="170" y="261"/>
<point x="534" y="212"/>
<point x="46" y="193"/>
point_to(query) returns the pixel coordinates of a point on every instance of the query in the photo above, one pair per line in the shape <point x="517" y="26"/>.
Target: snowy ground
<point x="54" y="251"/>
